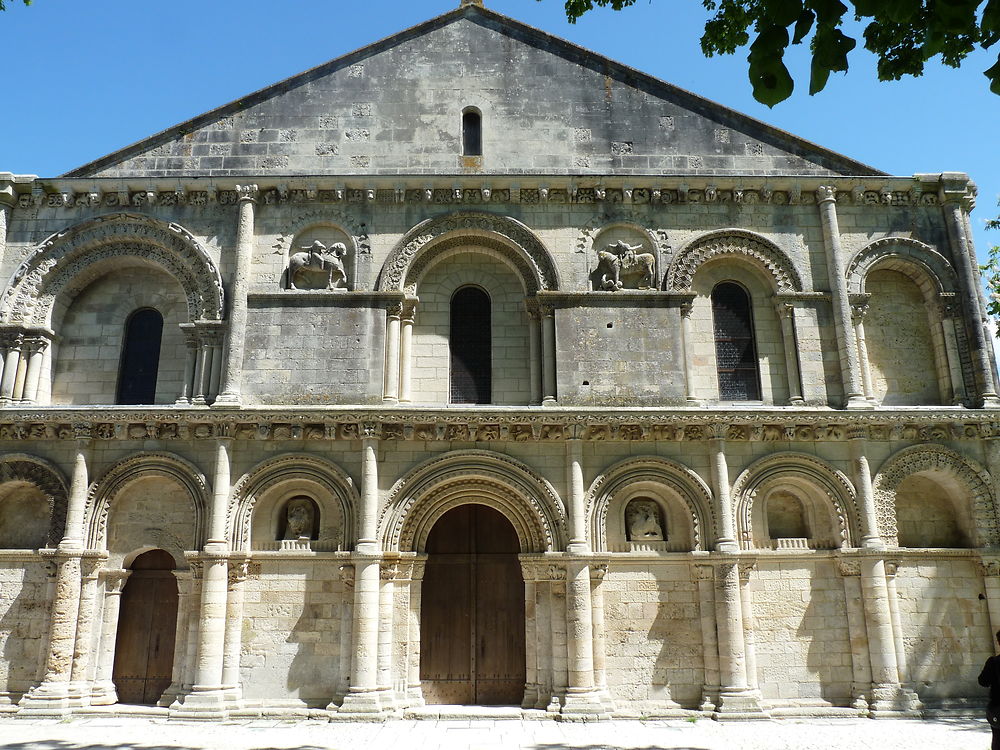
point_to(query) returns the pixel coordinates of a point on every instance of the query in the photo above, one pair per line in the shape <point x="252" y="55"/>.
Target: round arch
<point x="685" y="483"/>
<point x="428" y="241"/>
<point x="733" y="243"/>
<point x="916" y="459"/>
<point x="74" y="254"/>
<point x="102" y="493"/>
<point x="23" y="467"/>
<point x="930" y="270"/>
<point x="795" y="467"/>
<point x="289" y="467"/>
<point x="436" y="486"/>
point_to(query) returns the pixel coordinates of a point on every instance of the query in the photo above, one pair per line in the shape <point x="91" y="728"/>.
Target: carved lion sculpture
<point x="621" y="259"/>
<point x="317" y="261"/>
<point x="299" y="519"/>
<point x="642" y="521"/>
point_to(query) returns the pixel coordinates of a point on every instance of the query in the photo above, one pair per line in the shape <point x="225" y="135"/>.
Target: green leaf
<point x="782" y="12"/>
<point x="900" y="11"/>
<point x="771" y="81"/>
<point x="955" y="15"/>
<point x="993" y="74"/>
<point x="990" y="22"/>
<point x="804" y="24"/>
<point x="819" y="75"/>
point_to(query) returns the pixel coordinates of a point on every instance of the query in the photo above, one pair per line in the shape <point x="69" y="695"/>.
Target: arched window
<point x="472" y="132"/>
<point x="735" y="349"/>
<point x="140" y="358"/>
<point x="470" y="345"/>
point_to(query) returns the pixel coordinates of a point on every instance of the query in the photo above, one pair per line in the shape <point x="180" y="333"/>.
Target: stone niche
<point x="321" y="257"/>
<point x="649" y="518"/>
<point x="623" y="258"/>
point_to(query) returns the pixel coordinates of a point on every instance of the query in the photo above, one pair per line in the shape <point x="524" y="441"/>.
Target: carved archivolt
<point x="736" y="243"/>
<point x="687" y="485"/>
<point x="63" y="257"/>
<point x="793" y="468"/>
<point x="427" y="241"/>
<point x="293" y="466"/>
<point x="21" y="467"/>
<point x="902" y="254"/>
<point x="436" y="486"/>
<point x="341" y="220"/>
<point x="102" y="493"/>
<point x="917" y="459"/>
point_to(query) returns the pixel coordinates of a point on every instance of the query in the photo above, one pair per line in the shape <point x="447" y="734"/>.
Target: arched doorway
<point x="472" y="611"/>
<point x="147" y="628"/>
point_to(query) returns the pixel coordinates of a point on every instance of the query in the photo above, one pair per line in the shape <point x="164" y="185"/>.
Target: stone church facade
<point x="473" y="367"/>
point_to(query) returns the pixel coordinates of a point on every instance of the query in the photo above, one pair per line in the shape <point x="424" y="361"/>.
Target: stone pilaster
<point x="82" y="677"/>
<point x="857" y="436"/>
<point x="414" y="692"/>
<point x="535" y="354"/>
<point x="406" y="351"/>
<point x="389" y="572"/>
<point x="861" y="672"/>
<point x="737" y="700"/>
<point x="185" y="585"/>
<point x="104" y="692"/>
<point x="850" y="368"/>
<point x="8" y="199"/>
<point x="598" y="571"/>
<point x="705" y="578"/>
<point x="232" y="369"/>
<point x="887" y="695"/>
<point x="786" y="314"/>
<point x="346" y="636"/>
<point x="548" y="323"/>
<point x="949" y="314"/>
<point x="583" y="700"/>
<point x="859" y="309"/>
<point x="726" y="540"/>
<point x="390" y="373"/>
<point x="956" y="194"/>
<point x="990" y="570"/>
<point x="531" y="687"/>
<point x="687" y="352"/>
<point x="231" y="681"/>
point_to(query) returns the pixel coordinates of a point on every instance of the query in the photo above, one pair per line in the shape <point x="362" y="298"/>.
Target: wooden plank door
<point x="147" y="626"/>
<point x="472" y="611"/>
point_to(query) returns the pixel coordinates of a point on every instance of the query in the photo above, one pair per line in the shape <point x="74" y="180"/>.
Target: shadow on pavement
<point x="562" y="746"/>
<point x="66" y="745"/>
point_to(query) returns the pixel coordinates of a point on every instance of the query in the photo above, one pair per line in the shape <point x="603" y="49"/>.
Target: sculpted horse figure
<point x="317" y="261"/>
<point x="621" y="259"/>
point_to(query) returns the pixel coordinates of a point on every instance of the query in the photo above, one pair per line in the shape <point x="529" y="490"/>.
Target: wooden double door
<point x="147" y="627"/>
<point x="472" y="611"/>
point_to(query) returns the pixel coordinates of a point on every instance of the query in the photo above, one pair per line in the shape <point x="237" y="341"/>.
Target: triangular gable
<point x="394" y="107"/>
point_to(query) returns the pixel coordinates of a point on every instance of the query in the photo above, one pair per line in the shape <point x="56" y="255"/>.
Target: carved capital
<point x="394" y="309"/>
<point x="390" y="571"/>
<point x="859" y="307"/>
<point x="746" y="568"/>
<point x="846" y="567"/>
<point x="409" y="311"/>
<point x="247" y="193"/>
<point x="704" y="573"/>
<point x="857" y="432"/>
<point x="826" y="193"/>
<point x="347" y="576"/>
<point x="114" y="581"/>
<point x="238" y="572"/>
<point x="553" y="573"/>
<point x="598" y="571"/>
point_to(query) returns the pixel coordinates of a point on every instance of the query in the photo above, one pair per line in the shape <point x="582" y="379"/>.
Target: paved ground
<point x="787" y="734"/>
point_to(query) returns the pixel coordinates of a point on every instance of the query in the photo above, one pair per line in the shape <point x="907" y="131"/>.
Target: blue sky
<point x="82" y="79"/>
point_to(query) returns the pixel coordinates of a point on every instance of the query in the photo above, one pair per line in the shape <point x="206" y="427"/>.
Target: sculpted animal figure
<point x="318" y="260"/>
<point x="642" y="521"/>
<point x="621" y="259"/>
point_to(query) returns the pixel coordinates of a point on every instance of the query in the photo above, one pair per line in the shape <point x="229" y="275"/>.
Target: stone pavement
<point x="120" y="733"/>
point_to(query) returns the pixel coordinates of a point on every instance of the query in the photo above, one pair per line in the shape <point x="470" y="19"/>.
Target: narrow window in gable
<point x="472" y="132"/>
<point x="140" y="359"/>
<point x="735" y="348"/>
<point x="470" y="345"/>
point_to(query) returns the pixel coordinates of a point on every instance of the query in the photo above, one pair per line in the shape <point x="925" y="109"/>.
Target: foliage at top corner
<point x="991" y="275"/>
<point x="3" y="4"/>
<point x="903" y="35"/>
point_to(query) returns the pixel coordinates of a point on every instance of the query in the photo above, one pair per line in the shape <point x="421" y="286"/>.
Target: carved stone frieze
<point x="737" y="243"/>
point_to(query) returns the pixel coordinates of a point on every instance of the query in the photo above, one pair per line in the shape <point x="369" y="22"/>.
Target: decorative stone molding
<point x="680" y="480"/>
<point x="292" y="466"/>
<point x="427" y="241"/>
<point x="975" y="480"/>
<point x="903" y="254"/>
<point x="435" y="486"/>
<point x="21" y="467"/>
<point x="103" y="492"/>
<point x="65" y="258"/>
<point x="796" y="467"/>
<point x="734" y="243"/>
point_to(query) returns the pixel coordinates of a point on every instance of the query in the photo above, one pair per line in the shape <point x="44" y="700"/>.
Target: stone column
<point x="989" y="567"/>
<point x="956" y="198"/>
<point x="207" y="699"/>
<point x="576" y="510"/>
<point x="232" y="369"/>
<point x="414" y="691"/>
<point x="887" y="695"/>
<point x="184" y="605"/>
<point x="726" y="540"/>
<point x="8" y="199"/>
<point x="531" y="687"/>
<point x="859" y="308"/>
<point x="104" y="693"/>
<point x="52" y="696"/>
<point x="598" y="571"/>
<point x="582" y="699"/>
<point x="390" y="373"/>
<point x="388" y="573"/>
<point x="861" y="678"/>
<point x="231" y="681"/>
<point x="202" y="370"/>
<point x="857" y="441"/>
<point x="13" y="341"/>
<point x="82" y="675"/>
<point x="913" y="704"/>
<point x="544" y="642"/>
<point x="786" y="314"/>
<point x="36" y="345"/>
<point x="705" y="577"/>
<point x="746" y="602"/>
<point x="406" y="351"/>
<point x="534" y="354"/>
<point x="850" y="368"/>
<point x="191" y="349"/>
<point x="559" y="658"/>
<point x="346" y="635"/>
<point x="362" y="699"/>
<point x="949" y="315"/>
<point x="687" y="352"/>
<point x="548" y="355"/>
<point x="193" y="624"/>
<point x="736" y="698"/>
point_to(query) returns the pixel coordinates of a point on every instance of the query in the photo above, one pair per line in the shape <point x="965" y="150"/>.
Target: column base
<point x="414" y="696"/>
<point x="104" y="693"/>
<point x="360" y="705"/>
<point x="739" y="704"/>
<point x="991" y="402"/>
<point x="234" y="697"/>
<point x="584" y="705"/>
<point x="48" y="699"/>
<point x="530" y="699"/>
<point x="80" y="694"/>
<point x="893" y="702"/>
<point x="859" y="402"/>
<point x="171" y="695"/>
<point x="200" y="705"/>
<point x="227" y="401"/>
